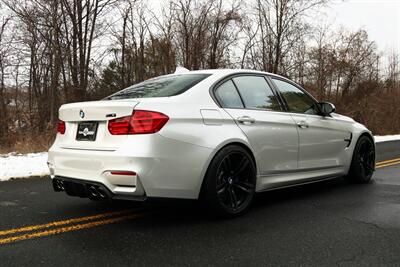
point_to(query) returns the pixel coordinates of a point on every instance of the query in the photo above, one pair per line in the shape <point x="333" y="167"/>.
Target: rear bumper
<point x="163" y="167"/>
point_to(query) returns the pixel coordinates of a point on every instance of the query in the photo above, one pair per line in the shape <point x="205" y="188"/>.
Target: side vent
<point x="348" y="140"/>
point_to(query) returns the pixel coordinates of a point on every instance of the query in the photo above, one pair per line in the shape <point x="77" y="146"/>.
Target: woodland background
<point x="59" y="51"/>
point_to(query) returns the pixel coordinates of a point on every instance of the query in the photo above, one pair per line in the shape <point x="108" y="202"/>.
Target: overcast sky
<point x="380" y="18"/>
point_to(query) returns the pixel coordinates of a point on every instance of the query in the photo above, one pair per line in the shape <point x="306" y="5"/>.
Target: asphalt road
<point x="330" y="223"/>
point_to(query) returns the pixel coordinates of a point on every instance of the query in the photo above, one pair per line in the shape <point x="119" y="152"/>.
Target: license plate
<point x="86" y="131"/>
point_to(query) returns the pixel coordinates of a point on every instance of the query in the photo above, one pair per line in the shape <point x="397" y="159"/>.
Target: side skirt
<point x="277" y="187"/>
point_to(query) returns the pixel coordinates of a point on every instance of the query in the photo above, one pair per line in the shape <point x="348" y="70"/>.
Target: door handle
<point x="302" y="124"/>
<point x="246" y="120"/>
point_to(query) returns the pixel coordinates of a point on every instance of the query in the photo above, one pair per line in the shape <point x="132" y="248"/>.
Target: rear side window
<point x="162" y="86"/>
<point x="256" y="93"/>
<point x="296" y="99"/>
<point x="228" y="96"/>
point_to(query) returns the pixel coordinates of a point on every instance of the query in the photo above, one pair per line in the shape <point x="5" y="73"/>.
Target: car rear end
<point x="115" y="148"/>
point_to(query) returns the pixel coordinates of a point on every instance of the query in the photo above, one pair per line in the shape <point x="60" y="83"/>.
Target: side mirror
<point x="327" y="108"/>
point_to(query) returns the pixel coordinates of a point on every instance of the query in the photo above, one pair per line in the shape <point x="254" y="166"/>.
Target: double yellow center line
<point x="387" y="163"/>
<point x="58" y="227"/>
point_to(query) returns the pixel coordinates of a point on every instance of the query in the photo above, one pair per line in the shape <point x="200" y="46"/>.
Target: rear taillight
<point x="143" y="122"/>
<point x="140" y="122"/>
<point x="119" y="126"/>
<point x="61" y="127"/>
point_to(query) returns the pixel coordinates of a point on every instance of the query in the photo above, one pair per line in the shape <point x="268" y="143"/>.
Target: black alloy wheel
<point x="366" y="158"/>
<point x="363" y="162"/>
<point x="230" y="181"/>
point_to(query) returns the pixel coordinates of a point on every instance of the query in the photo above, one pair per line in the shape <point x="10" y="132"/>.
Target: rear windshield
<point x="162" y="86"/>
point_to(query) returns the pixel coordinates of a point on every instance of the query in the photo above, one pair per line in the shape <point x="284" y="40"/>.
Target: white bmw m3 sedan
<point x="215" y="135"/>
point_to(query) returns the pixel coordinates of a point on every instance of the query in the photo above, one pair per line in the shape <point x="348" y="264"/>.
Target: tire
<point x="230" y="182"/>
<point x="363" y="162"/>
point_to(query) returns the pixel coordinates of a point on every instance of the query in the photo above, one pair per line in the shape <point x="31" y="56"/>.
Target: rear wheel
<point x="363" y="162"/>
<point x="230" y="182"/>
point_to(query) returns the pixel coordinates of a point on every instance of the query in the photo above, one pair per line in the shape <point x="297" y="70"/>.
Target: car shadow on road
<point x="326" y="188"/>
<point x="177" y="222"/>
<point x="183" y="211"/>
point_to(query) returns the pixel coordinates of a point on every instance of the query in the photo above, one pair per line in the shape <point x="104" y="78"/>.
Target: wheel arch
<point x="357" y="137"/>
<point x="245" y="147"/>
<point x="219" y="148"/>
<point x="367" y="134"/>
<point x="351" y="173"/>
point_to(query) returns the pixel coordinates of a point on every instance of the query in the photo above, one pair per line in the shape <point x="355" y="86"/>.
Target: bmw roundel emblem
<point x="81" y="114"/>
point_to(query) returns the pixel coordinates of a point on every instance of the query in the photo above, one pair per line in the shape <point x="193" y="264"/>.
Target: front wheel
<point x="363" y="162"/>
<point x="230" y="182"/>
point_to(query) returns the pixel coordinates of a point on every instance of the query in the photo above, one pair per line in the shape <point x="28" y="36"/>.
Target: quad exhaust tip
<point x="92" y="191"/>
<point x="101" y="192"/>
<point x="60" y="184"/>
<point x="97" y="193"/>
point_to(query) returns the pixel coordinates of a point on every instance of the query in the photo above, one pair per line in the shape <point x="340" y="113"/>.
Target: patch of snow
<point x="15" y="165"/>
<point x="385" y="138"/>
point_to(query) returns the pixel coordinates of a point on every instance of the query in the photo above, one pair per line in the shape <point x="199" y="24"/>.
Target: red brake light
<point x="119" y="126"/>
<point x="140" y="122"/>
<point x="143" y="122"/>
<point x="61" y="127"/>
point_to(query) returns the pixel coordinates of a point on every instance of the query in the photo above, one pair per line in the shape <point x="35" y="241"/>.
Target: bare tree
<point x="393" y="72"/>
<point x="280" y="25"/>
<point x="223" y="33"/>
<point x="60" y="51"/>
<point x="205" y="32"/>
<point x="80" y="21"/>
<point x="4" y="62"/>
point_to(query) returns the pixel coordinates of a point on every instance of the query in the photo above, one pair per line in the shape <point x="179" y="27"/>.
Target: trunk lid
<point x="87" y="124"/>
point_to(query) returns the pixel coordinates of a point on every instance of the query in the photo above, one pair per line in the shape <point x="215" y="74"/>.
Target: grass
<point x="27" y="143"/>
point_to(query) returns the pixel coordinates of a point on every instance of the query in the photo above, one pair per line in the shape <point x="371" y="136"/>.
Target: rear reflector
<point x="140" y="122"/>
<point x="61" y="127"/>
<point x="123" y="173"/>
